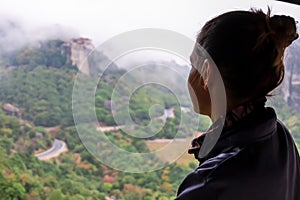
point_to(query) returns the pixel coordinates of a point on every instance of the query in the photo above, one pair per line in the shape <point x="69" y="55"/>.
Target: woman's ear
<point x="206" y="74"/>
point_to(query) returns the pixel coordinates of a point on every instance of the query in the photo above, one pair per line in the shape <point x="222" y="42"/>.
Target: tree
<point x="5" y="131"/>
<point x="56" y="195"/>
<point x="11" y="189"/>
<point x="6" y="144"/>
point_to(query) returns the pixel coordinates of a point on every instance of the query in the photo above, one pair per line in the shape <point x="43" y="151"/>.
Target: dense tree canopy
<point x="39" y="81"/>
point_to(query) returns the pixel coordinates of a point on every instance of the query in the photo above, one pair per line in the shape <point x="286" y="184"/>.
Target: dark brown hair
<point x="248" y="49"/>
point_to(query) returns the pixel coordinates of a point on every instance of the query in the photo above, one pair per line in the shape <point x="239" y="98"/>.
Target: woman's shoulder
<point x="202" y="181"/>
<point x="255" y="168"/>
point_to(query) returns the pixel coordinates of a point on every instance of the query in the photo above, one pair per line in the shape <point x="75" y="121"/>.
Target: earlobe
<point x="205" y="87"/>
<point x="206" y="73"/>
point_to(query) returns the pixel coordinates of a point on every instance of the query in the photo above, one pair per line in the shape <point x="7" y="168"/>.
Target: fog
<point x="31" y="20"/>
<point x="14" y="34"/>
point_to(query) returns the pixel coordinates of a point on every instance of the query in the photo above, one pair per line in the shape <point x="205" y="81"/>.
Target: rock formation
<point x="77" y="51"/>
<point x="82" y="53"/>
<point x="291" y="84"/>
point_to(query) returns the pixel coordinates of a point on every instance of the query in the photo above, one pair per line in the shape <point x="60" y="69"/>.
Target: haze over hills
<point x="37" y="79"/>
<point x="15" y="34"/>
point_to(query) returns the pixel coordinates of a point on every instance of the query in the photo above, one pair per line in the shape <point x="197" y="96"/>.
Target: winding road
<point x="58" y="147"/>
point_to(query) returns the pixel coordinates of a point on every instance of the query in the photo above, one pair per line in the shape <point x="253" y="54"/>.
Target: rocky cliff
<point x="82" y="53"/>
<point x="291" y="84"/>
<point x="77" y="51"/>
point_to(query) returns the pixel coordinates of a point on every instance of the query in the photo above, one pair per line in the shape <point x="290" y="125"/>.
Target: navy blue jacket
<point x="255" y="159"/>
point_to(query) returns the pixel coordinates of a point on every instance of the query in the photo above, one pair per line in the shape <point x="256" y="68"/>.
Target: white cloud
<point x="101" y="19"/>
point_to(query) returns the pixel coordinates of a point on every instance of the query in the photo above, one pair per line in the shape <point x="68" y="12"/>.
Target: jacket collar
<point x="257" y="126"/>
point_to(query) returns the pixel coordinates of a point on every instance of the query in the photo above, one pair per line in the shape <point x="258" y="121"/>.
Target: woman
<point x="255" y="156"/>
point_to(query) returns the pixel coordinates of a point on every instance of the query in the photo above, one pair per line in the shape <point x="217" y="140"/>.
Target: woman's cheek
<point x="194" y="86"/>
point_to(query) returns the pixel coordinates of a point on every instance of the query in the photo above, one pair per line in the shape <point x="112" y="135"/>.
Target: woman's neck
<point x="242" y="110"/>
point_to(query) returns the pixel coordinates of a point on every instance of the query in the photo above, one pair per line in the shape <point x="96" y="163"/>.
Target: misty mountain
<point x="10" y="32"/>
<point x="76" y="53"/>
<point x="291" y="84"/>
<point x="20" y="46"/>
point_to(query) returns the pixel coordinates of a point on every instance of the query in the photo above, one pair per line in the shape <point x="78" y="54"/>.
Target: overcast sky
<point x="102" y="19"/>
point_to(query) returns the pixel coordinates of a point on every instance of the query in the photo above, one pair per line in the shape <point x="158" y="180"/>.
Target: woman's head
<point x="247" y="48"/>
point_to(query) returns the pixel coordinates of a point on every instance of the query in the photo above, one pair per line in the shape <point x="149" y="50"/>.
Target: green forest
<point x="39" y="82"/>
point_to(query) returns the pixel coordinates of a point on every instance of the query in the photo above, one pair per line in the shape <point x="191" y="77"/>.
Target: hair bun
<point x="284" y="28"/>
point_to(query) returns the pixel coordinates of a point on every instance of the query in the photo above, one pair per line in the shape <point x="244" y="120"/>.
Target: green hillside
<point x="38" y="80"/>
<point x="41" y="88"/>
